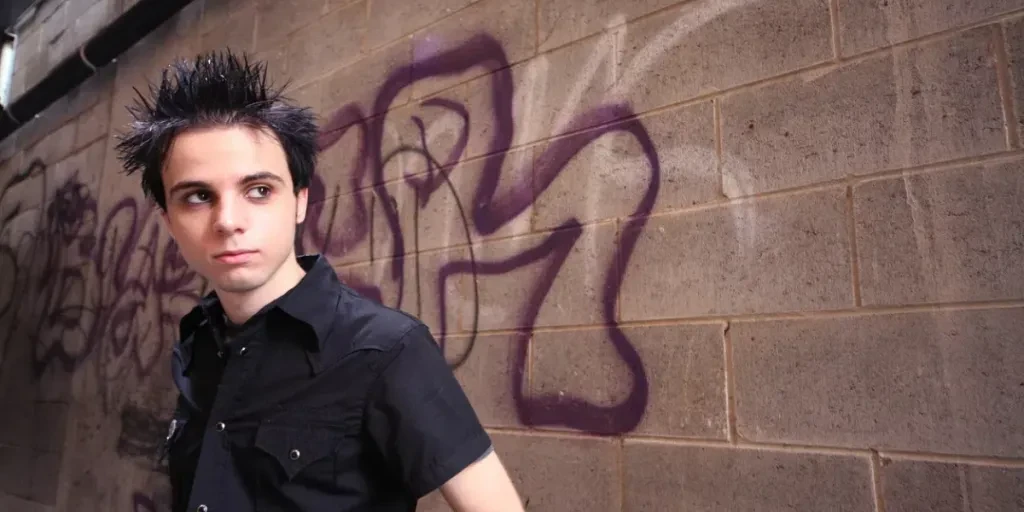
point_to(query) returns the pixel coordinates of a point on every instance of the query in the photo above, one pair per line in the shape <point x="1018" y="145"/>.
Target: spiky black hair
<point x="216" y="88"/>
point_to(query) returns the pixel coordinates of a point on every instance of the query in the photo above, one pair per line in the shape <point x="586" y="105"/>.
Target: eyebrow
<point x="260" y="176"/>
<point x="248" y="178"/>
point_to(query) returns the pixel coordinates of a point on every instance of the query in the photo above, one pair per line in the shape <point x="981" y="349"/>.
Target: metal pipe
<point x="101" y="49"/>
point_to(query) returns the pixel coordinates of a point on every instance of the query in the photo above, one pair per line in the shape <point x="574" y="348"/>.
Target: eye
<point x="259" y="192"/>
<point x="197" y="197"/>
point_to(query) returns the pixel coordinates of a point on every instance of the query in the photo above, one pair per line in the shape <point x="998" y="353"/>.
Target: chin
<point x="238" y="283"/>
<point x="237" y="286"/>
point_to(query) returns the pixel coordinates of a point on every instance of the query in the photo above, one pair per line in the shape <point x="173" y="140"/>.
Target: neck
<point x="240" y="307"/>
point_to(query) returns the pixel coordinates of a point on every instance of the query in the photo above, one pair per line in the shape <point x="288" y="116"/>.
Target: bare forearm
<point x="484" y="486"/>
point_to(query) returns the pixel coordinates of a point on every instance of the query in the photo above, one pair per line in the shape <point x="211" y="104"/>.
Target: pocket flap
<point x="296" y="447"/>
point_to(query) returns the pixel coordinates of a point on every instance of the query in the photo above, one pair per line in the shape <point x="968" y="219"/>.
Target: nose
<point x="229" y="217"/>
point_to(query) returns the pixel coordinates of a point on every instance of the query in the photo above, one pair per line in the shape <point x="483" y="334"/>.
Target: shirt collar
<point x="313" y="301"/>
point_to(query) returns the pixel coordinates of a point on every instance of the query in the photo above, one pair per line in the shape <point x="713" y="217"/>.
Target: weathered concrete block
<point x="661" y="476"/>
<point x="705" y="46"/>
<point x="16" y="470"/>
<point x="86" y="470"/>
<point x="488" y="375"/>
<point x="344" y="166"/>
<point x="779" y="254"/>
<point x="914" y="485"/>
<point x="54" y="146"/>
<point x="447" y="217"/>
<point x="329" y="42"/>
<point x="19" y="82"/>
<point x="237" y="31"/>
<point x="513" y="284"/>
<point x="560" y="91"/>
<point x="394" y="233"/>
<point x="54" y="384"/>
<point x="94" y="124"/>
<point x="55" y="30"/>
<point x="393" y="19"/>
<point x="118" y="186"/>
<point x="37" y="128"/>
<point x="339" y="227"/>
<point x="993" y="488"/>
<point x="1014" y="34"/>
<point x="511" y="22"/>
<point x="914" y="106"/>
<point x="362" y="82"/>
<point x="682" y="366"/>
<point x="867" y="25"/>
<point x="410" y="132"/>
<point x="908" y="485"/>
<point x="88" y="18"/>
<point x="48" y="434"/>
<point x="445" y="293"/>
<point x="398" y="290"/>
<point x="31" y="52"/>
<point x="947" y="236"/>
<point x="308" y="95"/>
<point x="94" y="91"/>
<point x="276" y="58"/>
<point x="45" y="469"/>
<point x="18" y="429"/>
<point x="539" y="465"/>
<point x="483" y="99"/>
<point x="564" y="21"/>
<point x="612" y="174"/>
<point x="217" y="12"/>
<point x="277" y="19"/>
<point x="944" y="382"/>
<point x="8" y="150"/>
<point x="23" y="203"/>
<point x="16" y="504"/>
<point x="82" y="168"/>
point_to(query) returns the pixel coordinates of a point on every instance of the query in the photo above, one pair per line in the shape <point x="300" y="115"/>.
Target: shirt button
<point x="202" y="508"/>
<point x="220" y="354"/>
<point x="243" y="350"/>
<point x="294" y="455"/>
<point x="221" y="426"/>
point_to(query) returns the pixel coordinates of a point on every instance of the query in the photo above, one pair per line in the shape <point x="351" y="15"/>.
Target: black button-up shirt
<point x="324" y="400"/>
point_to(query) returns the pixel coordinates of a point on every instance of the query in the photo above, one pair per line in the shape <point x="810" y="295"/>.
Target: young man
<point x="295" y="393"/>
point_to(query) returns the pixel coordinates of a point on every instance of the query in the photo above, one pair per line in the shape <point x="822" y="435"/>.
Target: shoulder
<point x="364" y="324"/>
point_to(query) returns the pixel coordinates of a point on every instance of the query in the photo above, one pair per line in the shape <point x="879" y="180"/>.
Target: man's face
<point x="231" y="205"/>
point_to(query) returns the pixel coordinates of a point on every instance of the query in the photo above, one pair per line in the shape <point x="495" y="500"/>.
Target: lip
<point x="234" y="257"/>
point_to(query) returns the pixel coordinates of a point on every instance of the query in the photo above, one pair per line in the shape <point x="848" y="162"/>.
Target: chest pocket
<point x="309" y="453"/>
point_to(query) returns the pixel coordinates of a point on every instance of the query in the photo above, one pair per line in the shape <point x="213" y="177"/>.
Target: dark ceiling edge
<point x="102" y="48"/>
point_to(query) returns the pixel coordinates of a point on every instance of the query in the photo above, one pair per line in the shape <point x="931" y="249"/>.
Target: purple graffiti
<point x="102" y="290"/>
<point x="86" y="288"/>
<point x="490" y="211"/>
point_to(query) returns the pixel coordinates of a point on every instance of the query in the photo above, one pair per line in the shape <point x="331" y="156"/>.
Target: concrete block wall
<point x="52" y="30"/>
<point x="702" y="255"/>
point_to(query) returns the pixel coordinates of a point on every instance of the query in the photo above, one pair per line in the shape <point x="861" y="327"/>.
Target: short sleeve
<point x="420" y="418"/>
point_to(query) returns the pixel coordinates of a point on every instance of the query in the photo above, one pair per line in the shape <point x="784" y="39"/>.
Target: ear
<point x="165" y="220"/>
<point x="302" y="201"/>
